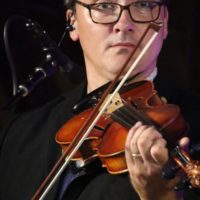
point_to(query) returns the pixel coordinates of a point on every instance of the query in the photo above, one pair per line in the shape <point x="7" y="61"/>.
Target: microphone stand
<point x="55" y="59"/>
<point x="50" y="66"/>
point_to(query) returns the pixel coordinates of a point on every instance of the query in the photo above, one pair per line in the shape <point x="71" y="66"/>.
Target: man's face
<point x="106" y="47"/>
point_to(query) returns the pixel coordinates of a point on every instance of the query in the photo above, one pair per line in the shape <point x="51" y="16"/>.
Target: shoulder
<point x="28" y="145"/>
<point x="40" y="123"/>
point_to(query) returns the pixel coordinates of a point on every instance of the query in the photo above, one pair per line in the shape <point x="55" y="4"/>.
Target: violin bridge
<point x="114" y="104"/>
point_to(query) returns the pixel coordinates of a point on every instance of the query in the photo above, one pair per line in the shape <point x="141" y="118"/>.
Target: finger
<point x="135" y="137"/>
<point x="184" y="142"/>
<point x="159" y="152"/>
<point x="145" y="142"/>
<point x="131" y="141"/>
<point x="131" y="146"/>
<point x="131" y="133"/>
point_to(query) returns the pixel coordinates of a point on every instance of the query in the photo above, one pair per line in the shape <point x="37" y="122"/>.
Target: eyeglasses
<point x="139" y="11"/>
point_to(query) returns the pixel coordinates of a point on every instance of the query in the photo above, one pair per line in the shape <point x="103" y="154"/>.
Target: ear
<point x="71" y="18"/>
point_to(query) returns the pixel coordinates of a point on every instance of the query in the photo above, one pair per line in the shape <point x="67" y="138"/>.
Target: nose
<point x="125" y="23"/>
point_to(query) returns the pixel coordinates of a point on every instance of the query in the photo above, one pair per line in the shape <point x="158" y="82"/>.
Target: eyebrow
<point x="116" y="1"/>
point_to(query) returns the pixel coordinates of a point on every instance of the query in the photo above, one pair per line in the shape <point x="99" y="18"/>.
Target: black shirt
<point x="29" y="151"/>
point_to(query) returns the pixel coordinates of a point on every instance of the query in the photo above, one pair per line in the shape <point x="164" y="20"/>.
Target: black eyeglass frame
<point x="126" y="7"/>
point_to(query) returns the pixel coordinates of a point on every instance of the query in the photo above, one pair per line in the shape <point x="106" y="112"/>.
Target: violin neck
<point x="128" y="115"/>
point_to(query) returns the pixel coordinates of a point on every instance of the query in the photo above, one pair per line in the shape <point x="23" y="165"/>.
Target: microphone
<point x="54" y="60"/>
<point x="49" y="46"/>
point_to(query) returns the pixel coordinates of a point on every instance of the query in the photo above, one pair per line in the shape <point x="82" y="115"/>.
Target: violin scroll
<point x="189" y="166"/>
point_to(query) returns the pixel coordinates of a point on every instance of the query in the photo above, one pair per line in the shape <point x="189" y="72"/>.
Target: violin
<point x="107" y="139"/>
<point x="99" y="131"/>
<point x="138" y="102"/>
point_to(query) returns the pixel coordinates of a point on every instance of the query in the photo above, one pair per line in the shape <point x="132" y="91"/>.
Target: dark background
<point x="179" y="58"/>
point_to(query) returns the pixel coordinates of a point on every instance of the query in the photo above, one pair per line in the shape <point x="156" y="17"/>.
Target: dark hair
<point x="70" y="3"/>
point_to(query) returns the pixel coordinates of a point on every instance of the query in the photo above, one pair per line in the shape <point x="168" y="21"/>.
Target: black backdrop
<point x="179" y="57"/>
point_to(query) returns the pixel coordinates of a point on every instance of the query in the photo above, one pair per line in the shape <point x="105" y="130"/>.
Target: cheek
<point x="150" y="58"/>
<point x="157" y="44"/>
<point x="154" y="50"/>
<point x="91" y="43"/>
<point x="92" y="39"/>
<point x="86" y="30"/>
<point x="159" y="40"/>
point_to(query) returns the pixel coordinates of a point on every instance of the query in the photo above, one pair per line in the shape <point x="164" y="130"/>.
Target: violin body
<point x="107" y="139"/>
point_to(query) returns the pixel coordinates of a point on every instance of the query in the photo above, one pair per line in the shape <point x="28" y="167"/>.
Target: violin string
<point x="130" y="111"/>
<point x="138" y="115"/>
<point x="128" y="116"/>
<point x="116" y="117"/>
<point x="124" y="117"/>
<point x="133" y="118"/>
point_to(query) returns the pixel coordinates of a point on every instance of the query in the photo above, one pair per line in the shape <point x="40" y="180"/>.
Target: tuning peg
<point x="185" y="184"/>
<point x="169" y="172"/>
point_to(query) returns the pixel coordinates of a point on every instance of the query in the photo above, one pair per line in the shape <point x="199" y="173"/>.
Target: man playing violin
<point x="108" y="31"/>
